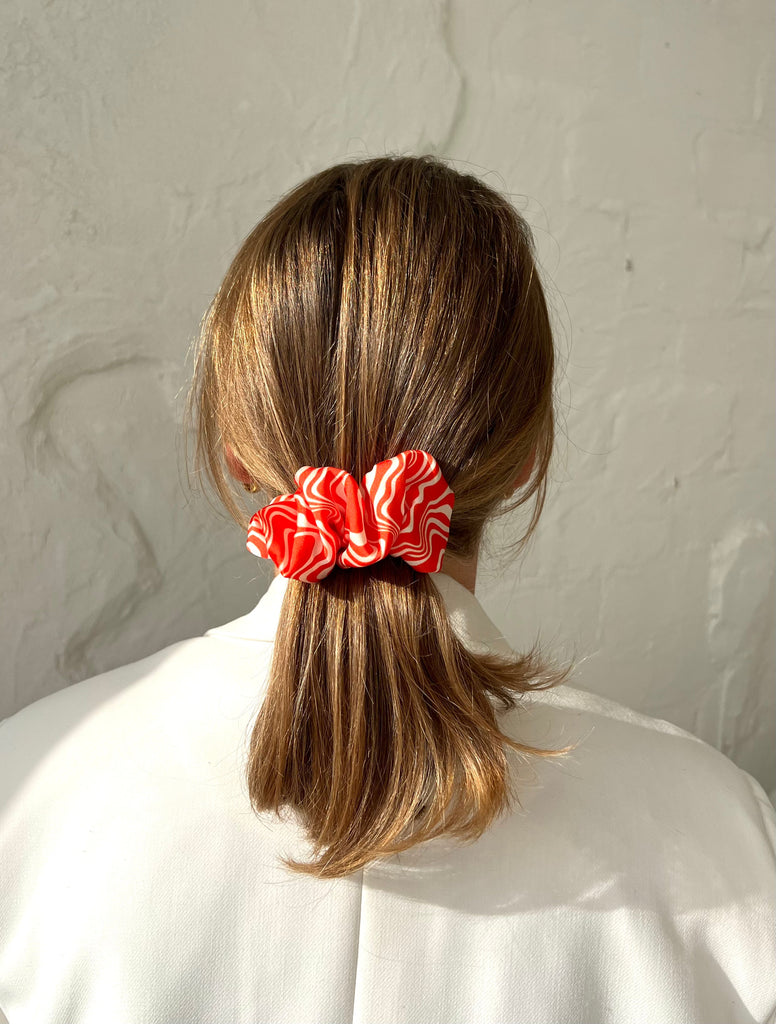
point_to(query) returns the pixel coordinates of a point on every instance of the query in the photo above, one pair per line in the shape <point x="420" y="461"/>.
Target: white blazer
<point x="636" y="885"/>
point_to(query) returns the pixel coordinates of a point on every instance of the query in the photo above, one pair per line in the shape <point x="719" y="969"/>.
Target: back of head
<point x="381" y="306"/>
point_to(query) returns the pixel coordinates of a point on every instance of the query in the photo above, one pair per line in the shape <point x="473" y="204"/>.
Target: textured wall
<point x="143" y="141"/>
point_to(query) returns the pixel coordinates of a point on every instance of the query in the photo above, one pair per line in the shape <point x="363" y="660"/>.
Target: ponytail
<point x="378" y="725"/>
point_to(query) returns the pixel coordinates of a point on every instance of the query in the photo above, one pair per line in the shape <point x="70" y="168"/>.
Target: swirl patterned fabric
<point x="401" y="508"/>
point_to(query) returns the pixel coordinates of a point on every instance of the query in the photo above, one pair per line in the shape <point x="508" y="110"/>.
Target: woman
<point x="356" y="802"/>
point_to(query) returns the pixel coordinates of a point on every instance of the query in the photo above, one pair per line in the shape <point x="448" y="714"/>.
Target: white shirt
<point x="636" y="885"/>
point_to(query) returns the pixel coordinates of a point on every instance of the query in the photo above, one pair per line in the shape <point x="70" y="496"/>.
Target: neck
<point x="464" y="571"/>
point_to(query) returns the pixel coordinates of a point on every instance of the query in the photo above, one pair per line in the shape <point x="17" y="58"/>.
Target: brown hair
<point x="383" y="305"/>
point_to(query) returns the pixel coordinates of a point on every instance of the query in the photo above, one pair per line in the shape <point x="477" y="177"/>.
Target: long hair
<point x="382" y="305"/>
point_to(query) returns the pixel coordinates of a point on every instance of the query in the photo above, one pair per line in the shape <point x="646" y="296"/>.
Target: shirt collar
<point x="467" y="617"/>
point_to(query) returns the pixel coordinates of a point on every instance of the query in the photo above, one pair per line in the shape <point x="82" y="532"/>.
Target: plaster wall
<point x="140" y="144"/>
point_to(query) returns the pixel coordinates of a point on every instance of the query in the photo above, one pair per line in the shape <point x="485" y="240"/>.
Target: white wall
<point x="143" y="141"/>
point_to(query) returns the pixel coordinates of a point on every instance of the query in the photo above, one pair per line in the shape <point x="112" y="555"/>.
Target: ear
<point x="236" y="468"/>
<point x="526" y="471"/>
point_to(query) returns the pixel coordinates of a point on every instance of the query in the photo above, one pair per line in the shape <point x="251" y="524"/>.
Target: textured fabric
<point x="634" y="884"/>
<point x="401" y="508"/>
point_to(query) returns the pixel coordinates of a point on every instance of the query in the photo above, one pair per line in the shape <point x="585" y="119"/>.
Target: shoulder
<point x="647" y="784"/>
<point x="611" y="736"/>
<point x="87" y="724"/>
<point x="597" y="706"/>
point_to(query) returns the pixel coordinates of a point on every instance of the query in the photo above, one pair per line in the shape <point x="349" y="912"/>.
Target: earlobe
<point x="525" y="472"/>
<point x="236" y="468"/>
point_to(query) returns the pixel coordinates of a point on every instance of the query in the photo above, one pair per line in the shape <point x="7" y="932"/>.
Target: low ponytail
<point x="383" y="306"/>
<point x="379" y="726"/>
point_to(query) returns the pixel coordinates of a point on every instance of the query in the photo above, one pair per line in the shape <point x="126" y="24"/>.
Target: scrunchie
<point x="401" y="508"/>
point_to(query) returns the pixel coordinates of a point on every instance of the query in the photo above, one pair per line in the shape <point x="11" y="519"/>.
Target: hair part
<point x="383" y="305"/>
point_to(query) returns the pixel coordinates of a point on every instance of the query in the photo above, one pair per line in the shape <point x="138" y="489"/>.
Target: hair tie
<point x="401" y="508"/>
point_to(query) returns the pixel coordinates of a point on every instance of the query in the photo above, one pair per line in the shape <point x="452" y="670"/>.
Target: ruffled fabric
<point x="402" y="508"/>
